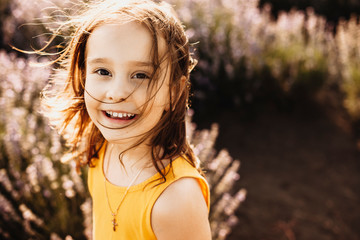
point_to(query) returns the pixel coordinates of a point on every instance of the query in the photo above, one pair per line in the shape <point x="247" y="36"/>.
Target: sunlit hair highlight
<point x="63" y="98"/>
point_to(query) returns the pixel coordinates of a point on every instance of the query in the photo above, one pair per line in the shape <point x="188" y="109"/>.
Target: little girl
<point x="121" y="107"/>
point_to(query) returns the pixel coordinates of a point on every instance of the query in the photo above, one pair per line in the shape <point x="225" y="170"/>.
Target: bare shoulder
<point x="181" y="212"/>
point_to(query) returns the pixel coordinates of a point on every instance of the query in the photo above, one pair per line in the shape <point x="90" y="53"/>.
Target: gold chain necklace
<point x="114" y="213"/>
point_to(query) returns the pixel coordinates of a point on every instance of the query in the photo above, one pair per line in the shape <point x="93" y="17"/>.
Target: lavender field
<point x="280" y="95"/>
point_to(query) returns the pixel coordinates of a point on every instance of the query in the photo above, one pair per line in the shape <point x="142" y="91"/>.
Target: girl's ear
<point x="176" y="92"/>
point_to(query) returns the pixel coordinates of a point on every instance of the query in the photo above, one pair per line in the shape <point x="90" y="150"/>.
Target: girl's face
<point x="118" y="70"/>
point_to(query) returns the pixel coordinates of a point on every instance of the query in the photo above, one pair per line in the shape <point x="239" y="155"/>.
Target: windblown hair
<point x="63" y="98"/>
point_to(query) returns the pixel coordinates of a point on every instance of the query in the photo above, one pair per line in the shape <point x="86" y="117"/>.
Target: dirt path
<point x="302" y="176"/>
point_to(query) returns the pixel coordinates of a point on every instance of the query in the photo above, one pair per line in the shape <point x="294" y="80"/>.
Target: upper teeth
<point x="120" y="115"/>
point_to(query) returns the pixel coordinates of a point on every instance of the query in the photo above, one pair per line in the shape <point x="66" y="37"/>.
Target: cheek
<point x="157" y="104"/>
<point x="90" y="105"/>
<point x="161" y="92"/>
<point x="91" y="86"/>
<point x="163" y="98"/>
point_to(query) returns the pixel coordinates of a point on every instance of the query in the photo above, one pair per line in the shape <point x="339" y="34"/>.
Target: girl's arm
<point x="181" y="212"/>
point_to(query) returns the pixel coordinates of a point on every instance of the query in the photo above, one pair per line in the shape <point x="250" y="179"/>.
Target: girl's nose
<point x="113" y="97"/>
<point x="118" y="91"/>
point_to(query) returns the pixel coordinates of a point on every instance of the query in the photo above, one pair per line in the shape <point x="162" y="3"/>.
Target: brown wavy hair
<point x="63" y="98"/>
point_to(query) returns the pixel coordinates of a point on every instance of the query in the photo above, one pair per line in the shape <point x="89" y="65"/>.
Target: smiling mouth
<point x="119" y="115"/>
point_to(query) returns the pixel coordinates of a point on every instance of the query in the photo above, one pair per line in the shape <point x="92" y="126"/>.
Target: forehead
<point x="130" y="41"/>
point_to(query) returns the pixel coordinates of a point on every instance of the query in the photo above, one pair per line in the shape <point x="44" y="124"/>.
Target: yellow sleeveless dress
<point x="134" y="216"/>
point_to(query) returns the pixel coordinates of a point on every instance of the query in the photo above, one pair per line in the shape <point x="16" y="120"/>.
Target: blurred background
<point x="280" y="78"/>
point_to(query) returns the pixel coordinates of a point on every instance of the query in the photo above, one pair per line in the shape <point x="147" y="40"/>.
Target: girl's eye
<point x="141" y="76"/>
<point x="103" y="72"/>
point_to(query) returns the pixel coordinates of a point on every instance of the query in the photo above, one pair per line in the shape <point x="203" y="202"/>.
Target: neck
<point x="131" y="157"/>
<point x="133" y="160"/>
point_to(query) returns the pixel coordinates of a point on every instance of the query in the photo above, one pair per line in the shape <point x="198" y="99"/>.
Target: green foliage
<point x="246" y="56"/>
<point x="348" y="42"/>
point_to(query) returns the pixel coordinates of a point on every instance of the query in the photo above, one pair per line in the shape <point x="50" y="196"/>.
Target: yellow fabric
<point x="134" y="216"/>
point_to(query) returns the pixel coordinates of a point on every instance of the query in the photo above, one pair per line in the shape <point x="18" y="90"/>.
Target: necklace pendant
<point x="114" y="224"/>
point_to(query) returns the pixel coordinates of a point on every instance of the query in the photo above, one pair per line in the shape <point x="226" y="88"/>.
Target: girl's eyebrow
<point x="132" y="63"/>
<point x="97" y="60"/>
<point x="140" y="64"/>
